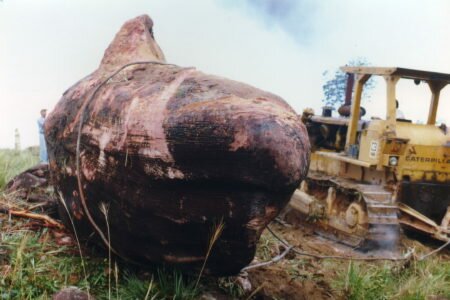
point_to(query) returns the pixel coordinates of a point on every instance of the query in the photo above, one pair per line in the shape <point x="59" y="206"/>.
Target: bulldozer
<point x="370" y="180"/>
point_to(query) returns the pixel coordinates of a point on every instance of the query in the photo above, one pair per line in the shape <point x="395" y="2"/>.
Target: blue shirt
<point x="40" y="123"/>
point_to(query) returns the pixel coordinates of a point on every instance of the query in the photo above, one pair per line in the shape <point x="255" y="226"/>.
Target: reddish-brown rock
<point x="171" y="151"/>
<point x="72" y="293"/>
<point x="33" y="186"/>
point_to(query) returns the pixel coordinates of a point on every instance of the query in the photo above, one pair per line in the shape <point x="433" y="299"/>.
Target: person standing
<point x="42" y="145"/>
<point x="398" y="112"/>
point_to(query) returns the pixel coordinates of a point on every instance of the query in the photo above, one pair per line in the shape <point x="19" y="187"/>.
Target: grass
<point x="415" y="280"/>
<point x="267" y="247"/>
<point x="230" y="287"/>
<point x="13" y="162"/>
<point x="214" y="236"/>
<point x="407" y="280"/>
<point x="34" y="266"/>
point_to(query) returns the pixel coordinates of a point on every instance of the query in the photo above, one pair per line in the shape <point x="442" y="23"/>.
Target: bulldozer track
<point x="382" y="229"/>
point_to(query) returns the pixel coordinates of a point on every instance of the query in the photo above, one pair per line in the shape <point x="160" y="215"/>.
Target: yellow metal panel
<point x="324" y="164"/>
<point x="391" y="111"/>
<point x="344" y="158"/>
<point x="429" y="163"/>
<point x="371" y="142"/>
<point x="420" y="134"/>
<point x="435" y="87"/>
<point x="355" y="112"/>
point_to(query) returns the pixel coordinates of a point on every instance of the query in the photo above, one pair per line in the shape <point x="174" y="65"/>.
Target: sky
<point x="282" y="46"/>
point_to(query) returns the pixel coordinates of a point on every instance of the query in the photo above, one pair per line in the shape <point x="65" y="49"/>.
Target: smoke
<point x="295" y="17"/>
<point x="388" y="238"/>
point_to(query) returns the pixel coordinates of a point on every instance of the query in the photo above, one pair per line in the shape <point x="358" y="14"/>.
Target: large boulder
<point x="167" y="153"/>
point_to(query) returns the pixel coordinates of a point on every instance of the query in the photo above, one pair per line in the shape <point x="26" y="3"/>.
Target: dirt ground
<point x="296" y="277"/>
<point x="302" y="277"/>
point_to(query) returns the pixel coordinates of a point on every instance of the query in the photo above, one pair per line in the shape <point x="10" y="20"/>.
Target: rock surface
<point x="72" y="293"/>
<point x="33" y="185"/>
<point x="32" y="178"/>
<point x="170" y="152"/>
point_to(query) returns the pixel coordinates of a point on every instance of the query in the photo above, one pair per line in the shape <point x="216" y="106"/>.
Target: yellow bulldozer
<point x="368" y="179"/>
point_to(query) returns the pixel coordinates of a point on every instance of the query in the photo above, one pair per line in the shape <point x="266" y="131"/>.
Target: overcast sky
<point x="282" y="46"/>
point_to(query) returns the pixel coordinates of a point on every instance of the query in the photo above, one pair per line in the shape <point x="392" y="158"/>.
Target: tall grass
<point x="215" y="234"/>
<point x="13" y="162"/>
<point x="34" y="266"/>
<point x="416" y="280"/>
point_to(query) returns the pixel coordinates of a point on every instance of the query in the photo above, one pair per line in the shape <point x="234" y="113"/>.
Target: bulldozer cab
<point x="370" y="141"/>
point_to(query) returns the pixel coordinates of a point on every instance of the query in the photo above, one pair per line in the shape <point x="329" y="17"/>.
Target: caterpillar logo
<point x="412" y="151"/>
<point x="427" y="159"/>
<point x="413" y="157"/>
